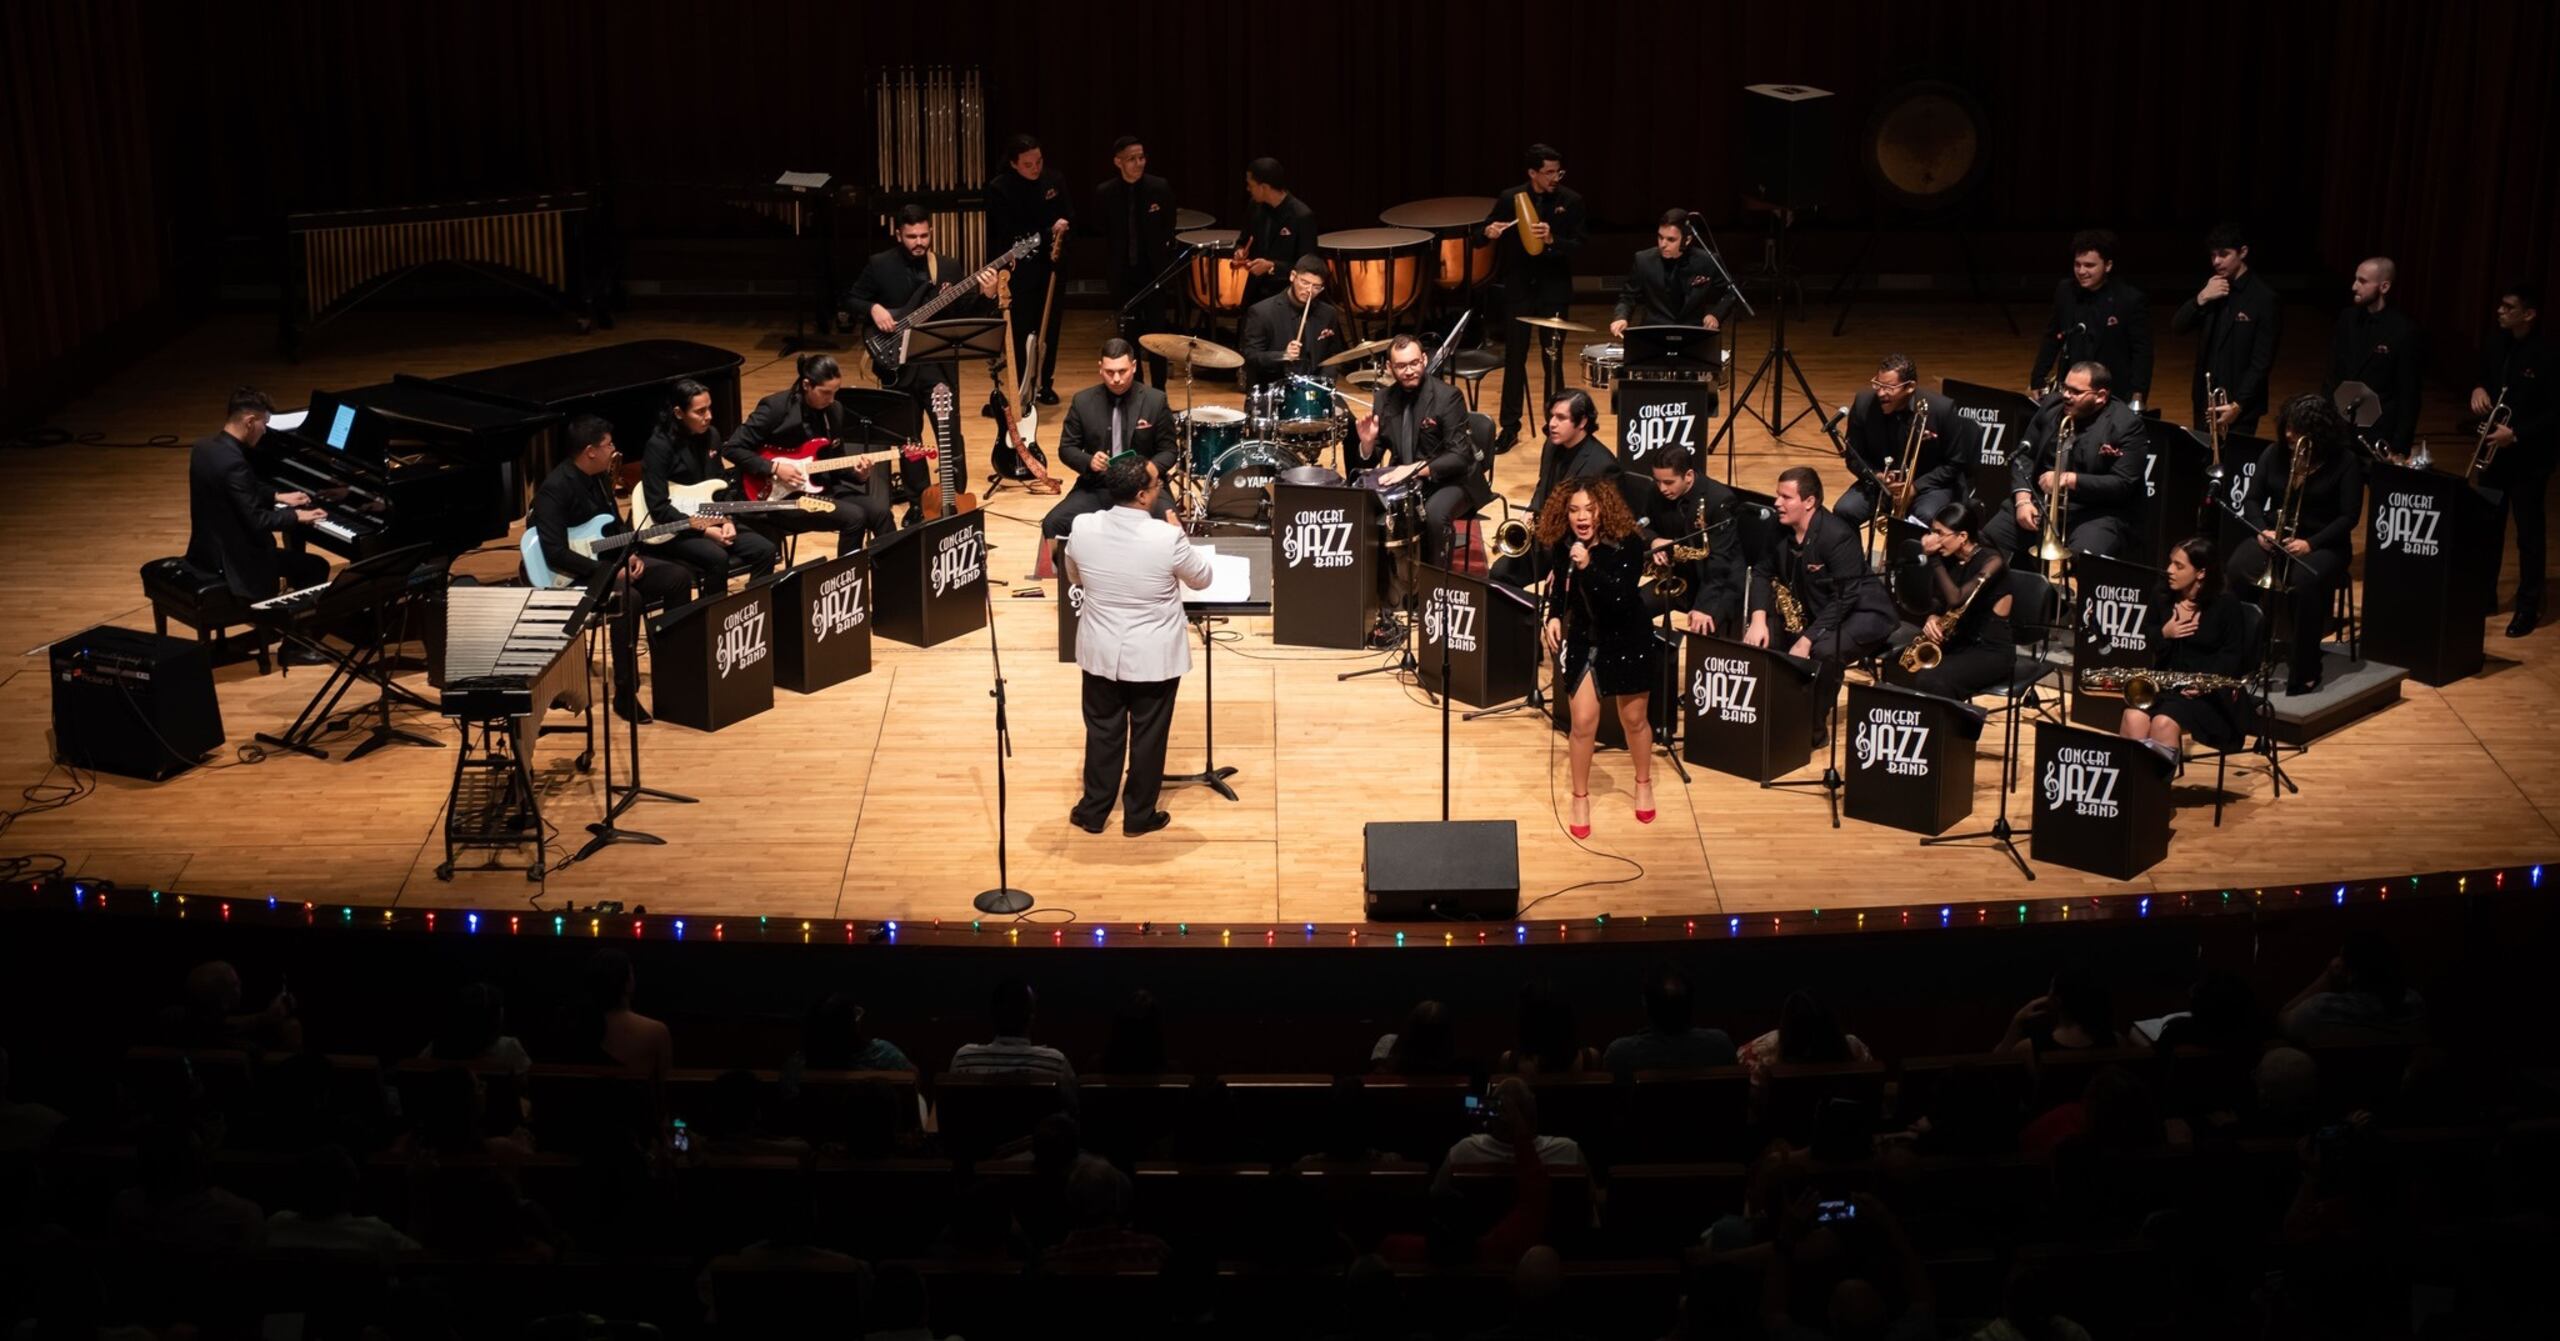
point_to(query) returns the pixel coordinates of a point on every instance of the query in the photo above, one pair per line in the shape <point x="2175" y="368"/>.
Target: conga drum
<point x="1377" y="272"/>
<point x="1216" y="287"/>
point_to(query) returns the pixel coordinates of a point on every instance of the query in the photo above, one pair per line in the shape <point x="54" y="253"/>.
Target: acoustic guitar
<point x="945" y="497"/>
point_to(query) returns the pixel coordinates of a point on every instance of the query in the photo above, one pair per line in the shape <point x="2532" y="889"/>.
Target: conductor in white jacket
<point x="1132" y="644"/>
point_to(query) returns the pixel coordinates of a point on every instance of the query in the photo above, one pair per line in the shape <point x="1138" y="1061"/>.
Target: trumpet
<point x="2216" y="400"/>
<point x="2481" y="452"/>
<point x="1527" y="212"/>
<point x="2051" y="547"/>
<point x="1512" y="538"/>
<point x="2142" y="688"/>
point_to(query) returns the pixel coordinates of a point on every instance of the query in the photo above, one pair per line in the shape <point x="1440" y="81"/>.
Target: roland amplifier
<point x="133" y="703"/>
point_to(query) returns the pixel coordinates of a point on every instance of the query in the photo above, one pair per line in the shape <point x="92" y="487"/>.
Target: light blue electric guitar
<point x="588" y="537"/>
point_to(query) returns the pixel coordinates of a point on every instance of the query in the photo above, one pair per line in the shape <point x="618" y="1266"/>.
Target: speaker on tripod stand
<point x="1786" y="136"/>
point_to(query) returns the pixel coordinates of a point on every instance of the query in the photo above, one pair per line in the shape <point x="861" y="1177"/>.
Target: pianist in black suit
<point x="893" y="281"/>
<point x="576" y="491"/>
<point x="685" y="451"/>
<point x="232" y="515"/>
<point x="789" y="419"/>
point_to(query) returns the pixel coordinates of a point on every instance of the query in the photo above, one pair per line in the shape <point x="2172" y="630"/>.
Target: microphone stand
<point x="615" y="581"/>
<point x="1705" y="242"/>
<point x="2264" y="676"/>
<point x="1003" y="900"/>
<point x="1126" y="322"/>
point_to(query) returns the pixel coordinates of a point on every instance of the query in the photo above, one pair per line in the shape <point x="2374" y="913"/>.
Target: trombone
<point x="2051" y="547"/>
<point x="1511" y="538"/>
<point x="2288" y="519"/>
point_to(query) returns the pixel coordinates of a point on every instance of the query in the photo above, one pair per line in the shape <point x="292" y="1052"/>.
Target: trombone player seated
<point x="2076" y="486"/>
<point x="2200" y="657"/>
<point x="2304" y="501"/>
<point x="1966" y="646"/>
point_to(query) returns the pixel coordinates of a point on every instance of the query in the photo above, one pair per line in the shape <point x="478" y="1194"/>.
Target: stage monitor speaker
<point x="1787" y="145"/>
<point x="1436" y="870"/>
<point x="133" y="703"/>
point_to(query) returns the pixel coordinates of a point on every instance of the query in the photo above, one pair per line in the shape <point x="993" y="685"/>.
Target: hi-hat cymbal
<point x="1356" y="353"/>
<point x="1556" y="324"/>
<point x="1186" y="349"/>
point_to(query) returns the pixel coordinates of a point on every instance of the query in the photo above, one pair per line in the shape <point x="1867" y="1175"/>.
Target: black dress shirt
<point x="2380" y="349"/>
<point x="1827" y="571"/>
<point x="1544" y="282"/>
<point x="569" y="497"/>
<point x="2108" y="453"/>
<point x="1271" y="324"/>
<point x="1681" y="292"/>
<point x="232" y="516"/>
<point x="1281" y="234"/>
<point x="1425" y="425"/>
<point x="1136" y="224"/>
<point x="2237" y="344"/>
<point x="674" y="457"/>
<point x="1017" y="205"/>
<point x="2525" y="371"/>
<point x="1715" y="582"/>
<point x="1086" y="444"/>
<point x="2332" y="499"/>
<point x="1946" y="443"/>
<point x="2110" y="324"/>
<point x="782" y="420"/>
<point x="896" y="281"/>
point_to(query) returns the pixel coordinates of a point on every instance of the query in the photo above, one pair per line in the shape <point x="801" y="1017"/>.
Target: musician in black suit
<point x="2377" y="344"/>
<point x="684" y="451"/>
<point x="1135" y="215"/>
<point x="1279" y="233"/>
<point x="576" y="491"/>
<point x="1670" y="285"/>
<point x="2319" y="548"/>
<point x="1533" y="286"/>
<point x="2518" y="370"/>
<point x="2097" y="318"/>
<point x="1028" y="198"/>
<point x="2102" y="479"/>
<point x="232" y="515"/>
<point x="1846" y="613"/>
<point x="1573" y="451"/>
<point x="1118" y="415"/>
<point x="1689" y="510"/>
<point x="2237" y="316"/>
<point x="1878" y="431"/>
<point x="1417" y="427"/>
<point x="893" y="281"/>
<point x="793" y="417"/>
<point x="1292" y="331"/>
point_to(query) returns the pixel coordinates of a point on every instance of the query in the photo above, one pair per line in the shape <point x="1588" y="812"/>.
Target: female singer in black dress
<point x="1596" y="624"/>
<point x="2198" y="627"/>
<point x="1977" y="650"/>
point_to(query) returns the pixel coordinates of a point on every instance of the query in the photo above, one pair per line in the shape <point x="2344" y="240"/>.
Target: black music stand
<point x="949" y="341"/>
<point x="610" y="582"/>
<point x="377" y="589"/>
<point x="1257" y="601"/>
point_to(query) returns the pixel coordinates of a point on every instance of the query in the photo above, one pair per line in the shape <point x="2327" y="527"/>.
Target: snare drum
<point x="1212" y="431"/>
<point x="1602" y="364"/>
<point x="1399" y="506"/>
<point x="1216" y="286"/>
<point x="1244" y="474"/>
<point x="1305" y="407"/>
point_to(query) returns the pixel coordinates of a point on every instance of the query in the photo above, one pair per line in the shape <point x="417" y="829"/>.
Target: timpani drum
<point x="1214" y="430"/>
<point x="1462" y="259"/>
<point x="1216" y="287"/>
<point x="1377" y="272"/>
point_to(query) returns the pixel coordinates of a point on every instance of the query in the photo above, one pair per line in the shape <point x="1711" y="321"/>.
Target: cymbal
<point x="1556" y="324"/>
<point x="1357" y="352"/>
<point x="1185" y="349"/>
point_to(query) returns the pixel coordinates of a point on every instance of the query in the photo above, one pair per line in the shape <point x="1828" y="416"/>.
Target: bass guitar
<point x="588" y="539"/>
<point x="945" y="498"/>
<point x="757" y="490"/>
<point x="888" y="349"/>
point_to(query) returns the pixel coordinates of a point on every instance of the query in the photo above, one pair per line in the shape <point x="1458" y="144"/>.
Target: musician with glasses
<point x="2517" y="371"/>
<point x="2097" y="318"/>
<point x="1533" y="286"/>
<point x="1833" y="611"/>
<point x="2235" y="318"/>
<point x="2101" y="480"/>
<point x="1885" y="451"/>
<point x="577" y="491"/>
<point x="1291" y="332"/>
<point x="684" y="451"/>
<point x="1670" y="285"/>
<point x="1976" y="650"/>
<point x="893" y="281"/>
<point x="2376" y="344"/>
<point x="2197" y="629"/>
<point x="2306" y="526"/>
<point x="232" y="515"/>
<point x="1417" y="430"/>
<point x="793" y="417"/>
<point x="1689" y="510"/>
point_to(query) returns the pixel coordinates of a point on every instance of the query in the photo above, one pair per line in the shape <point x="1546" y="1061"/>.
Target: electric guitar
<point x="945" y="498"/>
<point x="757" y="490"/>
<point x="1016" y="454"/>
<point x="888" y="349"/>
<point x="699" y="500"/>
<point x="588" y="539"/>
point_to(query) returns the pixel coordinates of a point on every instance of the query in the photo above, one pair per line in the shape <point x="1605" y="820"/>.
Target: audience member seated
<point x="1010" y="1052"/>
<point x="629" y="1039"/>
<point x="1842" y="1271"/>
<point x="2285" y="1085"/>
<point x="176" y="1208"/>
<point x="2076" y="1014"/>
<point x="1806" y="1035"/>
<point x="1097" y="1239"/>
<point x="24" y="1127"/>
<point x="1537" y="1311"/>
<point x="474" y="1030"/>
<point x="1550" y="1042"/>
<point x="1511" y="1125"/>
<point x="450" y="1115"/>
<point x="1781" y="1174"/>
<point x="1668" y="1041"/>
<point x="210" y="1016"/>
<point x="2222" y="1013"/>
<point x="2360" y="998"/>
<point x="732" y="1121"/>
<point x="322" y="1213"/>
<point x="837" y="1037"/>
<point x="1136" y="1045"/>
<point x="1424" y="1045"/>
<point x="1346" y="1128"/>
<point x="2029" y="1311"/>
<point x="895" y="1305"/>
<point x="2114" y="1113"/>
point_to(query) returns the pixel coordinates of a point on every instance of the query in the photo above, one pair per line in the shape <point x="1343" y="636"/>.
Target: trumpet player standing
<point x="2304" y="500"/>
<point x="2198" y="630"/>
<point x="2517" y="373"/>
<point x="2235" y="316"/>
<point x="1966" y="647"/>
<point x="2098" y="479"/>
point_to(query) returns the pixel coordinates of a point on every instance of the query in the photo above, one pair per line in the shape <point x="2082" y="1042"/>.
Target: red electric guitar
<point x="757" y="490"/>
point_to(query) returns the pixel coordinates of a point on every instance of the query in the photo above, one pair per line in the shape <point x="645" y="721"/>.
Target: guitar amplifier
<point x="133" y="703"/>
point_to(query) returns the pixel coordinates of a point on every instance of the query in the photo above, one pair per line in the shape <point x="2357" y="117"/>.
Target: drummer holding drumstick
<point x="1291" y="331"/>
<point x="1417" y="432"/>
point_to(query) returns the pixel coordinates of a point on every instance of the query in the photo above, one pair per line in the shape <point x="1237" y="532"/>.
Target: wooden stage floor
<point x="878" y="798"/>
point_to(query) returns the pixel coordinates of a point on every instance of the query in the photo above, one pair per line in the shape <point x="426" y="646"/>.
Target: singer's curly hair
<point x="1616" y="523"/>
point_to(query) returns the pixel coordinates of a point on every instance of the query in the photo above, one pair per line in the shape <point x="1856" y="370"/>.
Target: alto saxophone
<point x="1790" y="610"/>
<point x="1923" y="654"/>
<point x="2142" y="688"/>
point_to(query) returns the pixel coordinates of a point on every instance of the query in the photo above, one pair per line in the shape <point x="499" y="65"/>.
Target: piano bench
<point x="202" y="601"/>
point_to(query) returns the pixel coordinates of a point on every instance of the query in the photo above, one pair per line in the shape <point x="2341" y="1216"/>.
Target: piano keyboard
<point x="503" y="646"/>
<point x="290" y="599"/>
<point x="332" y="527"/>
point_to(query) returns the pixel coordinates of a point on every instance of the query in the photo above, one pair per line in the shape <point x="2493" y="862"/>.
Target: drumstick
<point x="1303" y="314"/>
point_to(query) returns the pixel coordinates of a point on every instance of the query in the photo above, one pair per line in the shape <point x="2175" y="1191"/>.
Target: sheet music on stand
<point x="1231" y="582"/>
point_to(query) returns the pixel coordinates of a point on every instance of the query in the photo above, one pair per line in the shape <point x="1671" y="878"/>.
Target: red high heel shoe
<point x="1645" y="816"/>
<point x="1579" y="830"/>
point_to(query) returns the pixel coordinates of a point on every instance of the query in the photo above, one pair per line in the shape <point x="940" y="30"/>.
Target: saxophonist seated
<point x="2304" y="500"/>
<point x="2198" y="631"/>
<point x="2087" y="449"/>
<point x="1682" y="513"/>
<point x="1831" y="610"/>
<point x="1966" y="648"/>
